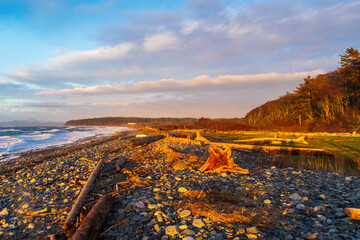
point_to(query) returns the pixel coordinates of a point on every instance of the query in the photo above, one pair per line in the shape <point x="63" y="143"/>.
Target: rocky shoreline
<point x="160" y="194"/>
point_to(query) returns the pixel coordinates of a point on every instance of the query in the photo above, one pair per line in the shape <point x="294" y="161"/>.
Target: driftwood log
<point x="75" y="210"/>
<point x="353" y="213"/>
<point x="270" y="140"/>
<point x="269" y="149"/>
<point x="89" y="229"/>
<point x="146" y="140"/>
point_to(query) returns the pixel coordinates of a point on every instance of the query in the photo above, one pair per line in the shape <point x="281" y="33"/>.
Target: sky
<point x="64" y="59"/>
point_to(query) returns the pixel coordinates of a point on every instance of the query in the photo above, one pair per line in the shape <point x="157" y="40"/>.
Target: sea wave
<point x="10" y="130"/>
<point x="41" y="136"/>
<point x="7" y="141"/>
<point x="54" y="130"/>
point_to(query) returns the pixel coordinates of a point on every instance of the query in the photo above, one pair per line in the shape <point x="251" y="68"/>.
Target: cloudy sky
<point x="64" y="59"/>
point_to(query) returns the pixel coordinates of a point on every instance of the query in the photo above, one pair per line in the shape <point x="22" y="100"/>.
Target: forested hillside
<point x="327" y="102"/>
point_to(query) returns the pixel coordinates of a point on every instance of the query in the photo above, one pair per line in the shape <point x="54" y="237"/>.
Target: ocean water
<point x="14" y="140"/>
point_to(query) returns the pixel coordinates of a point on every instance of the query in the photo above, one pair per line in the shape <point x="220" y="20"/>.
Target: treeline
<point x="117" y="121"/>
<point x="327" y="102"/>
<point x="219" y="125"/>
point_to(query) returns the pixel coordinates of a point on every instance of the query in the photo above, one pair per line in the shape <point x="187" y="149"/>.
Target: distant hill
<point x="328" y="102"/>
<point x="116" y="121"/>
<point x="29" y="122"/>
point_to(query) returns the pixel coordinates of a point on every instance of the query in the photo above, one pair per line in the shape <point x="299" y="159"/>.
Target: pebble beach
<point x="160" y="194"/>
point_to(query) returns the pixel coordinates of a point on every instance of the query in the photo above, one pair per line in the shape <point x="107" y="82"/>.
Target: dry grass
<point x="196" y="194"/>
<point x="134" y="180"/>
<point x="191" y="162"/>
<point x="357" y="162"/>
<point x="224" y="207"/>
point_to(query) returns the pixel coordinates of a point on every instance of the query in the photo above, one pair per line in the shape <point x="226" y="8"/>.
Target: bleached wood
<point x="270" y="149"/>
<point x="89" y="229"/>
<point x="353" y="213"/>
<point x="75" y="210"/>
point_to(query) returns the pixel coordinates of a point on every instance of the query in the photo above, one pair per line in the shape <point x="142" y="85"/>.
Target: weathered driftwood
<point x="276" y="149"/>
<point x="146" y="140"/>
<point x="77" y="205"/>
<point x="89" y="229"/>
<point x="270" y="140"/>
<point x="353" y="213"/>
<point x="269" y="149"/>
<point x="189" y="135"/>
<point x="221" y="161"/>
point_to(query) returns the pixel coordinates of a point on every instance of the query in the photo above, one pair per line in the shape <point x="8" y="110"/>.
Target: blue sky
<point x="62" y="60"/>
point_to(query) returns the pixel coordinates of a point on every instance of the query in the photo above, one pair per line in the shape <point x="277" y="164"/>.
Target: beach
<point x="159" y="193"/>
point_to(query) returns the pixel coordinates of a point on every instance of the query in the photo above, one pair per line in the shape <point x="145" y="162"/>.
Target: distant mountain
<point x="29" y="122"/>
<point x="117" y="121"/>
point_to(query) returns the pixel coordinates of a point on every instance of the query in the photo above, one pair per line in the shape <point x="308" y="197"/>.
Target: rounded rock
<point x="184" y="213"/>
<point x="182" y="190"/>
<point x="252" y="230"/>
<point x="198" y="223"/>
<point x="267" y="201"/>
<point x="172" y="230"/>
<point x="188" y="238"/>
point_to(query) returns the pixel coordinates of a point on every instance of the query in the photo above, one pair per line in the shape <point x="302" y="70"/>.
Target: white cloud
<point x="160" y="41"/>
<point x="200" y="83"/>
<point x="190" y="26"/>
<point x="103" y="53"/>
<point x="4" y="82"/>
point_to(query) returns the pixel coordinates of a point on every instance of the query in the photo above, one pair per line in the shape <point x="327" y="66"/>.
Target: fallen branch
<point x="271" y="140"/>
<point x="89" y="229"/>
<point x="268" y="149"/>
<point x="77" y="205"/>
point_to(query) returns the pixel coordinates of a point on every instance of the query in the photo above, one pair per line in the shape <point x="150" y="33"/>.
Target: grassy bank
<point x="344" y="147"/>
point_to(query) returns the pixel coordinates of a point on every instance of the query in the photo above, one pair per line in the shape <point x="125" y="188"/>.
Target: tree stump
<point x="221" y="161"/>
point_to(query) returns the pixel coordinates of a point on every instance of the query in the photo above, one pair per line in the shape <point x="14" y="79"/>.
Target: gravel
<point x="153" y="201"/>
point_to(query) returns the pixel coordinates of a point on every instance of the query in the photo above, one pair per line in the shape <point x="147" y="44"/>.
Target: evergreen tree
<point x="350" y="74"/>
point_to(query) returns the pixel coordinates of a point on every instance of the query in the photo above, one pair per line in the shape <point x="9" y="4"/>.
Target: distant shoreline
<point x="25" y="153"/>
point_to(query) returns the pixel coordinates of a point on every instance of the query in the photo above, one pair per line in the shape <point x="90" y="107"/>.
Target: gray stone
<point x="301" y="206"/>
<point x="295" y="197"/>
<point x="172" y="230"/>
<point x="188" y="238"/>
<point x="340" y="215"/>
<point x="182" y="190"/>
<point x="318" y="225"/>
<point x="319" y="209"/>
<point x="188" y="232"/>
<point x="139" y="204"/>
<point x="198" y="223"/>
<point x="251" y="230"/>
<point x="251" y="236"/>
<point x="310" y="236"/>
<point x="4" y="212"/>
<point x="267" y="201"/>
<point x="151" y="224"/>
<point x="184" y="213"/>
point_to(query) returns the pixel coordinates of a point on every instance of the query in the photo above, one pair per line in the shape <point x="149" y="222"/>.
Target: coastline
<point x="34" y="156"/>
<point x="150" y="202"/>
